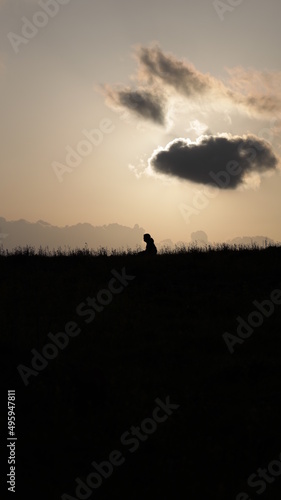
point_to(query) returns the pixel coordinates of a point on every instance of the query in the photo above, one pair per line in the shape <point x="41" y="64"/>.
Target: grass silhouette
<point x="161" y="336"/>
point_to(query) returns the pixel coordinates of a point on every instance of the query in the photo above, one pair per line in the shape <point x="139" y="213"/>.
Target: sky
<point x="163" y="114"/>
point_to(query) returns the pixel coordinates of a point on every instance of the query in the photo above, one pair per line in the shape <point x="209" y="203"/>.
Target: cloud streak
<point x="258" y="91"/>
<point x="223" y="161"/>
<point x="167" y="69"/>
<point x="251" y="91"/>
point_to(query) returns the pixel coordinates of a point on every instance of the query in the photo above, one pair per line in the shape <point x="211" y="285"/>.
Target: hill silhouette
<point x="21" y="233"/>
<point x="41" y="234"/>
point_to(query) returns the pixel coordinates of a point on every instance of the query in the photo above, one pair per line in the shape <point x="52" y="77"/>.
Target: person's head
<point x="146" y="237"/>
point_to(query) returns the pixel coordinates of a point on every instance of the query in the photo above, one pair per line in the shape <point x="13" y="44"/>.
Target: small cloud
<point x="198" y="127"/>
<point x="139" y="170"/>
<point x="146" y="104"/>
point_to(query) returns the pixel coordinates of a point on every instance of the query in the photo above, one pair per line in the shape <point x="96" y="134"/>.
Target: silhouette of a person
<point x="150" y="246"/>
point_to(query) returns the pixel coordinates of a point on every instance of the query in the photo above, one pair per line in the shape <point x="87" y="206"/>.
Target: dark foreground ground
<point x="159" y="340"/>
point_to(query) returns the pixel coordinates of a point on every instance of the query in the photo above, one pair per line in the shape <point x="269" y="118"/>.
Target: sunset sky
<point x="182" y="103"/>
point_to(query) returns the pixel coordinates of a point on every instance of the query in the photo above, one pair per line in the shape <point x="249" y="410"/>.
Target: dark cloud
<point x="149" y="105"/>
<point x="221" y="161"/>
